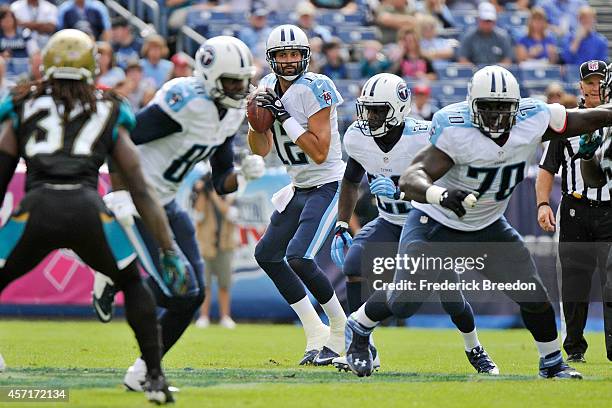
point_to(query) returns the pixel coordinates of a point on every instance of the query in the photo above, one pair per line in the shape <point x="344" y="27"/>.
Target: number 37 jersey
<point x="71" y="152"/>
<point x="481" y="165"/>
<point x="306" y="96"/>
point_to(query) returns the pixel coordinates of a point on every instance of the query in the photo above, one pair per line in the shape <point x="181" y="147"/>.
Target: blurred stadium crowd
<point x="436" y="45"/>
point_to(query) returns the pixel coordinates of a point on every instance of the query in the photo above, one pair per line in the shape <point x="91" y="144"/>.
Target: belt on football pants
<point x="584" y="200"/>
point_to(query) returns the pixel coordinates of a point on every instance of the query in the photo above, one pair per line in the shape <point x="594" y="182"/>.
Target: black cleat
<point x="156" y="390"/>
<point x="357" y="342"/>
<point x="325" y="356"/>
<point x="481" y="361"/>
<point x="309" y="357"/>
<point x="103" y="297"/>
<point x="553" y="366"/>
<point x="576" y="358"/>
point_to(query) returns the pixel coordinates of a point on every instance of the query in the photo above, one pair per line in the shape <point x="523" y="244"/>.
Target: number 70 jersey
<point x="481" y="165"/>
<point x="309" y="94"/>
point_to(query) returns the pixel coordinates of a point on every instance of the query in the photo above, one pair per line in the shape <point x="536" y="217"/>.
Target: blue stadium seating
<point x="353" y="70"/>
<point x="546" y="73"/>
<point x="350" y="35"/>
<point x="451" y="71"/>
<point x="449" y="92"/>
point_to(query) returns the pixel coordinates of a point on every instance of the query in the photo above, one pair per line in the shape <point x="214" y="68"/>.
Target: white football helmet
<point x="288" y="37"/>
<point x="493" y="98"/>
<point x="225" y="57"/>
<point x="383" y="104"/>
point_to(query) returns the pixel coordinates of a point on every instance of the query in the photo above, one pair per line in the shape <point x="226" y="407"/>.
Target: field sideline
<point x="255" y="366"/>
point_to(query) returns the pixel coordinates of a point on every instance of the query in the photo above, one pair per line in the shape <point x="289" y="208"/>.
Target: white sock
<point x="548" y="347"/>
<point x="361" y="317"/>
<point x="470" y="340"/>
<point x="310" y="321"/>
<point x="334" y="311"/>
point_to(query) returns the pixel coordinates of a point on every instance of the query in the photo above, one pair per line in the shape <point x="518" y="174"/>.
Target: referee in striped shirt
<point x="585" y="216"/>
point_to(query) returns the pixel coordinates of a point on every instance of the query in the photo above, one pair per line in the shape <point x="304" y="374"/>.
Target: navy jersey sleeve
<point x="222" y="165"/>
<point x="354" y="171"/>
<point x="153" y="123"/>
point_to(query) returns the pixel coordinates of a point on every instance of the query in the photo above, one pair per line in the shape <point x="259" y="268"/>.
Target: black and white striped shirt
<point x="559" y="154"/>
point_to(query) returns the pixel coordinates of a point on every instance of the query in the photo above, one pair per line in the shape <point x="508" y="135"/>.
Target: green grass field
<point x="255" y="366"/>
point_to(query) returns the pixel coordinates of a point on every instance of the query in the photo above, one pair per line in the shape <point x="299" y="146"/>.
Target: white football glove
<point x="121" y="204"/>
<point x="252" y="167"/>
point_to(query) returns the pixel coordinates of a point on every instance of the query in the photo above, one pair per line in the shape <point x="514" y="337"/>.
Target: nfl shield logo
<point x="593" y="65"/>
<point x="385" y="159"/>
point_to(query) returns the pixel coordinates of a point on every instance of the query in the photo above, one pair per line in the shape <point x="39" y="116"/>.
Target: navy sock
<point x="540" y="322"/>
<point x="353" y="295"/>
<point x="313" y="277"/>
<point x="463" y="319"/>
<point x="376" y="307"/>
<point x="286" y="281"/>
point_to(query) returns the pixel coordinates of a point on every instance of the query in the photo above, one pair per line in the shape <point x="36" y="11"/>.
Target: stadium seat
<point x="353" y="70"/>
<point x="465" y="19"/>
<point x="352" y="34"/>
<point x="540" y="73"/>
<point x="449" y="92"/>
<point x="448" y="71"/>
<point x="517" y="19"/>
<point x="571" y="73"/>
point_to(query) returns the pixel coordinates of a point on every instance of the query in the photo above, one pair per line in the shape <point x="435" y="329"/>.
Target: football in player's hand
<point x="259" y="118"/>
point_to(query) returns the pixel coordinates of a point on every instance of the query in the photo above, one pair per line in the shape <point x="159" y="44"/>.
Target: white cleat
<point x="135" y="376"/>
<point x="227" y="322"/>
<point x="2" y="364"/>
<point x="202" y="322"/>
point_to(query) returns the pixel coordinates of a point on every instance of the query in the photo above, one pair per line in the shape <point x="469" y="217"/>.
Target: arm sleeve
<point x="153" y="123"/>
<point x="553" y="156"/>
<point x="354" y="171"/>
<point x="222" y="165"/>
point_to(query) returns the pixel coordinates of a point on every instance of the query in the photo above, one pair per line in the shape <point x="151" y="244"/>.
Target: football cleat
<point x="576" y="358"/>
<point x="2" y="364"/>
<point x="358" y="354"/>
<point x="135" y="376"/>
<point x="325" y="357"/>
<point x="157" y="391"/>
<point x="341" y="364"/>
<point x="481" y="361"/>
<point x="103" y="297"/>
<point x="309" y="357"/>
<point x="553" y="366"/>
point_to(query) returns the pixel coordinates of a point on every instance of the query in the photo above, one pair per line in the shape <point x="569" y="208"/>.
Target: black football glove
<point x="455" y="199"/>
<point x="269" y="100"/>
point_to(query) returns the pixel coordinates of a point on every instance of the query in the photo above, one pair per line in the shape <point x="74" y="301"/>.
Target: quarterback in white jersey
<point x="381" y="144"/>
<point x="305" y="135"/>
<point x="479" y="149"/>
<point x="190" y="119"/>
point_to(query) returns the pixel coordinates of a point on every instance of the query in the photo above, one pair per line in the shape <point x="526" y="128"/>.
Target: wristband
<point x="542" y="204"/>
<point x="293" y="128"/>
<point x="342" y="224"/>
<point x="433" y="195"/>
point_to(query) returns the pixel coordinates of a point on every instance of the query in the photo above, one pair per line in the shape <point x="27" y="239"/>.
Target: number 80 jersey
<point x="167" y="160"/>
<point x="483" y="166"/>
<point x="309" y="94"/>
